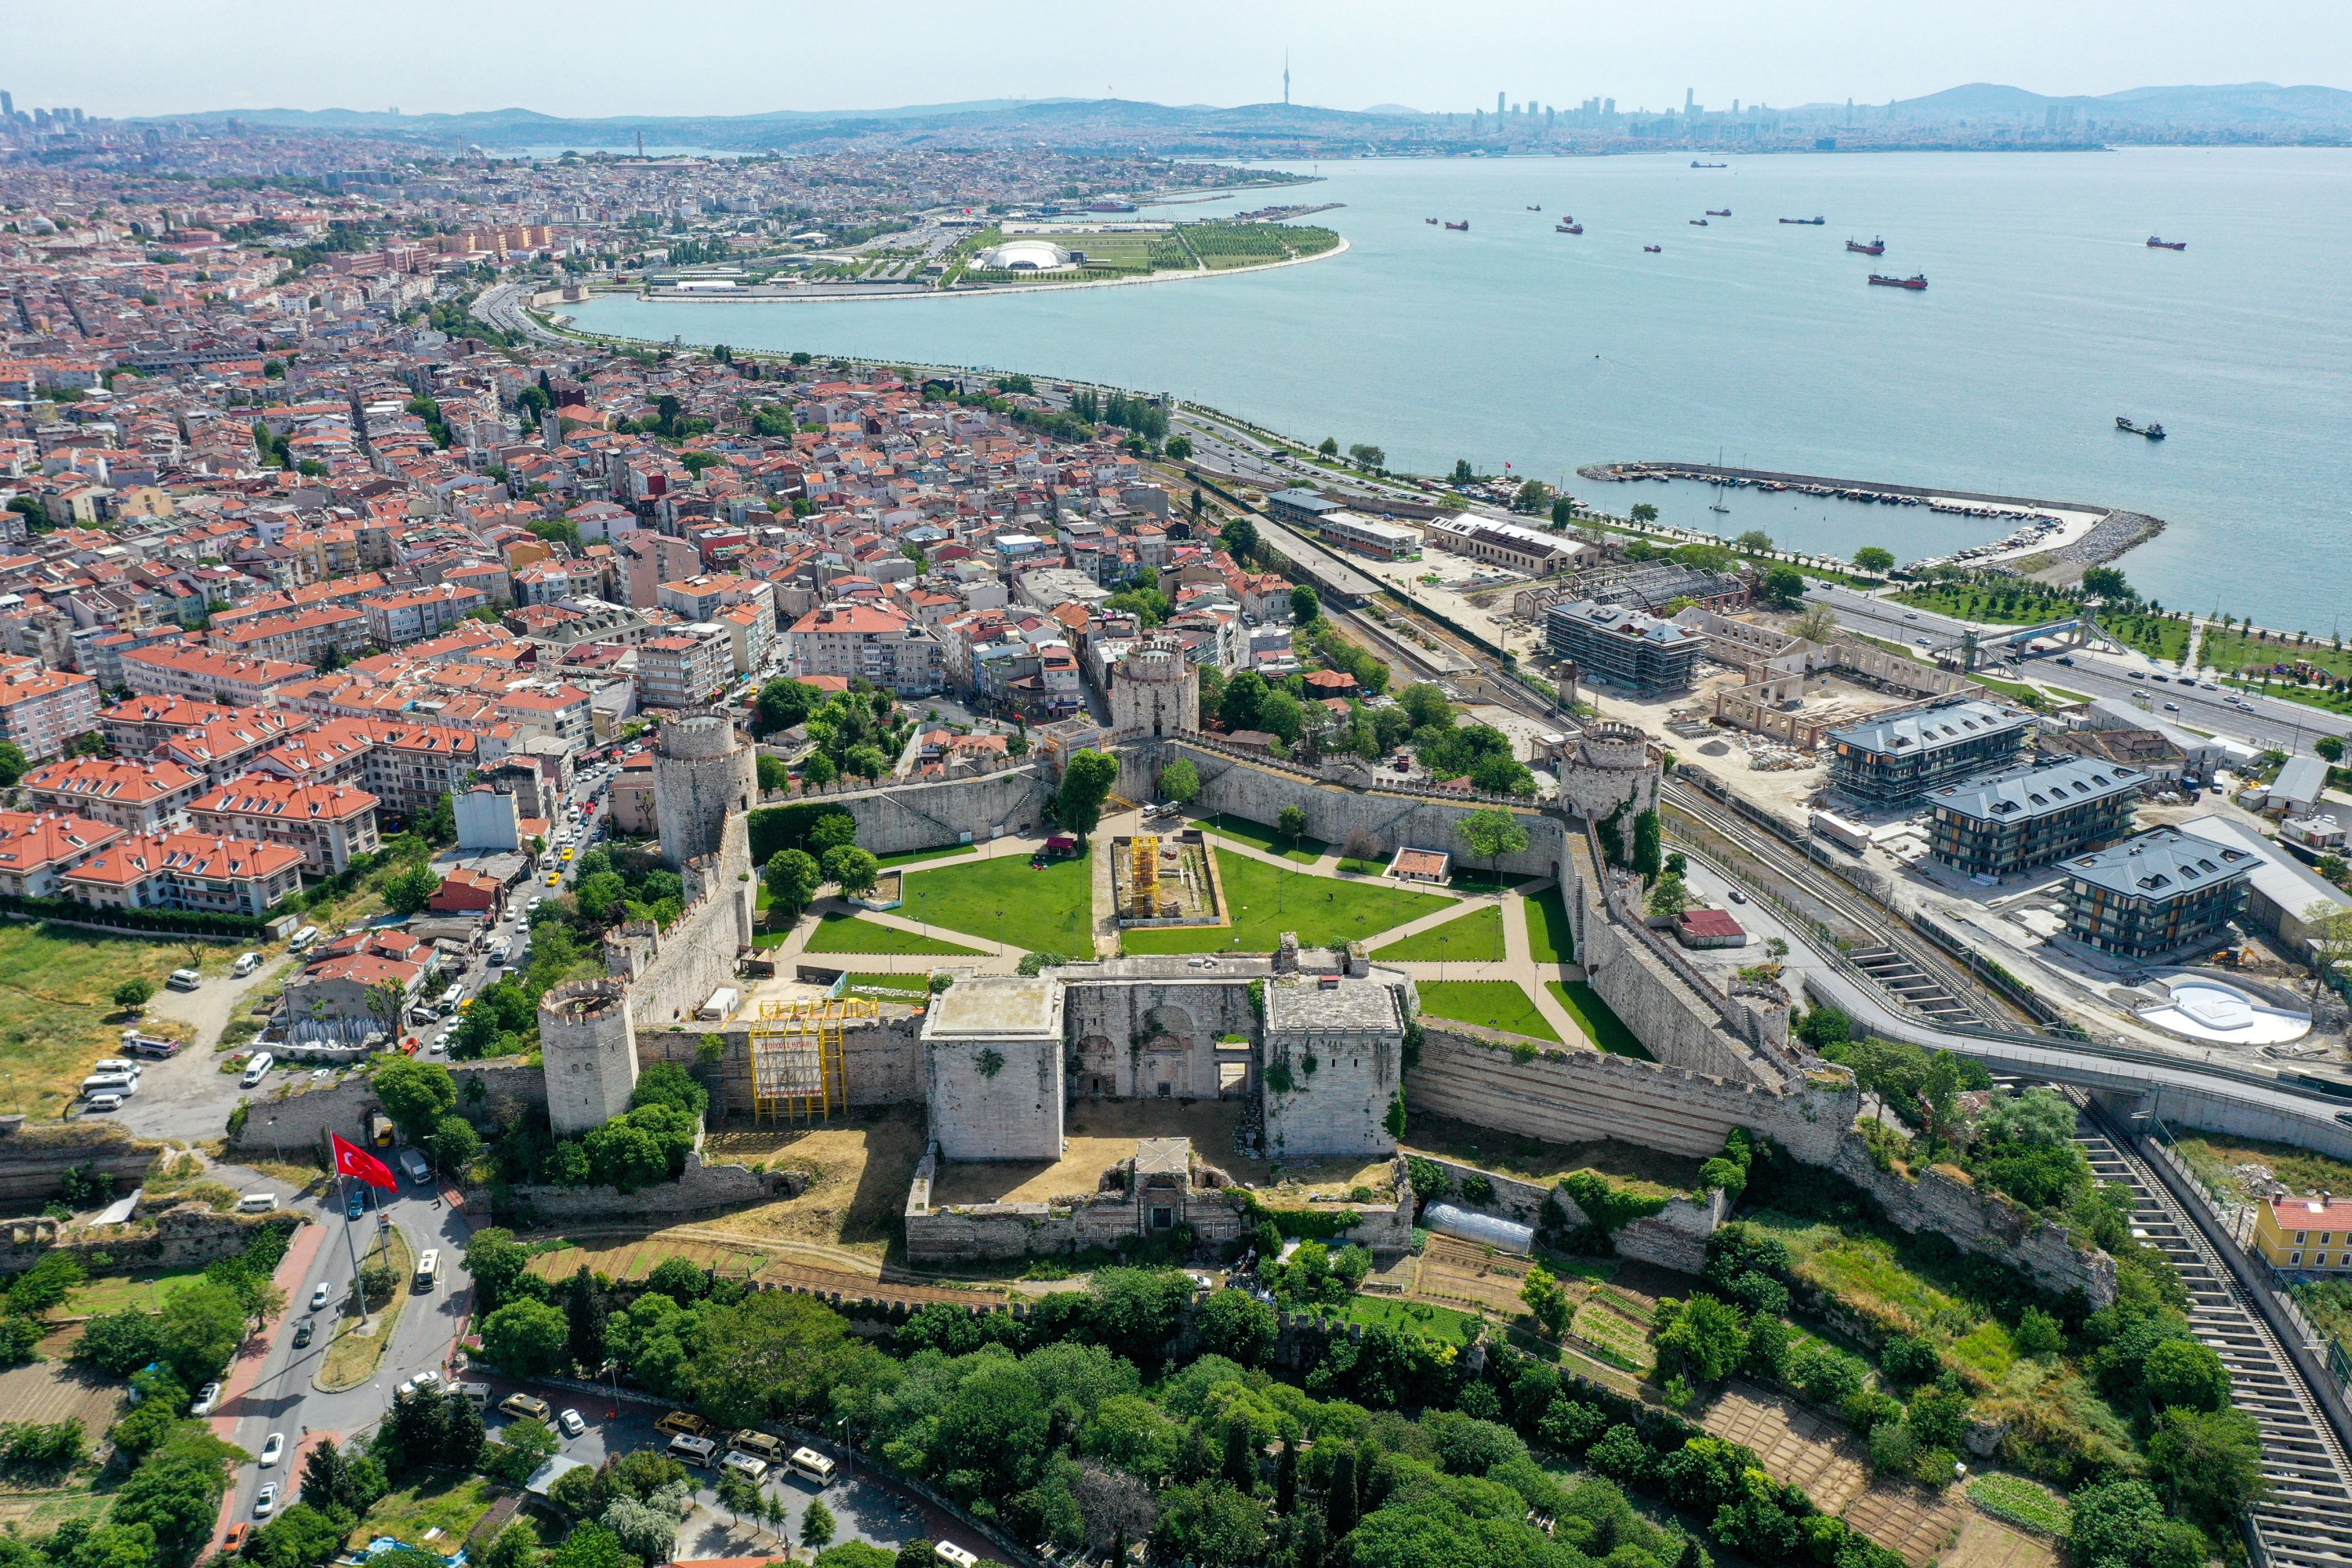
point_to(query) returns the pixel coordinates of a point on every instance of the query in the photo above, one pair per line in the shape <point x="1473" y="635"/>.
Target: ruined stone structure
<point x="1334" y="1059"/>
<point x="1164" y="1184"/>
<point x="1155" y="690"/>
<point x="705" y="772"/>
<point x="591" y="1052"/>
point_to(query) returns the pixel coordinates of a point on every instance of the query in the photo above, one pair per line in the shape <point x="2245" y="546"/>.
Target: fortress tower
<point x="589" y="1049"/>
<point x="1155" y="689"/>
<point x="704" y="772"/>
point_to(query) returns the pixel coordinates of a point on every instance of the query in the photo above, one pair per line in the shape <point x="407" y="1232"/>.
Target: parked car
<point x="571" y="1423"/>
<point x="207" y="1399"/>
<point x="272" y="1447"/>
<point x="319" y="1295"/>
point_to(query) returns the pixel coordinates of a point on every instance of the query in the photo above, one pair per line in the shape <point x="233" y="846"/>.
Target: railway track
<point x="2306" y="1521"/>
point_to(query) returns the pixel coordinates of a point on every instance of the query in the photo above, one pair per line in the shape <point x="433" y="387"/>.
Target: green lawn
<point x="1258" y="836"/>
<point x="2020" y="1501"/>
<point x="1474" y="938"/>
<point x="1600" y="1021"/>
<point x="1550" y="939"/>
<point x="1493" y="1003"/>
<point x="854" y="934"/>
<point x="1003" y="900"/>
<point x="1425" y="1318"/>
<point x="57" y="1008"/>
<point x="940" y="852"/>
<point x="112" y="1292"/>
<point x="452" y="1506"/>
<point x="1267" y="901"/>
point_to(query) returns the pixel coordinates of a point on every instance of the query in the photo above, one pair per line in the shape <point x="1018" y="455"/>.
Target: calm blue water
<point x="2046" y="316"/>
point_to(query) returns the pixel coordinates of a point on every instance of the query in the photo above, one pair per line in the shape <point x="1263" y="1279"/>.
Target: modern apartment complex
<point x="2156" y="893"/>
<point x="872" y="642"/>
<point x="43" y="710"/>
<point x="1894" y="759"/>
<point x="1998" y="823"/>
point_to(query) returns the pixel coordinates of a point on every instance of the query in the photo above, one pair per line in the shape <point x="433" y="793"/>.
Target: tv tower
<point x="1286" y="78"/>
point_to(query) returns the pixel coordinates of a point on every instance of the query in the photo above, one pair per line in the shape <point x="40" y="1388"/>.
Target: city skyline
<point x="158" y="62"/>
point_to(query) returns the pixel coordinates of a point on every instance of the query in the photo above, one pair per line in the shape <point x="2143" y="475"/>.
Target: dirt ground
<point x="635" y="1258"/>
<point x="1459" y="1274"/>
<point x="1987" y="1543"/>
<point x="1804" y="1449"/>
<point x="858" y="1170"/>
<point x="1646" y="1170"/>
<point x="1098" y="1133"/>
<point x="53" y="1389"/>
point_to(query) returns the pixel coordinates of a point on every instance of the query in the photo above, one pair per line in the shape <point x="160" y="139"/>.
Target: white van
<point x="477" y="1395"/>
<point x="120" y="1083"/>
<point x="247" y="962"/>
<point x="257" y="1202"/>
<point x="122" y="1065"/>
<point x="750" y="1467"/>
<point x="813" y="1465"/>
<point x="186" y="979"/>
<point x="257" y="1068"/>
<point x="498" y="951"/>
<point x="109" y="1102"/>
<point x="450" y="998"/>
<point x="955" y="1556"/>
<point x="302" y="939"/>
<point x="414" y="1164"/>
<point x="692" y="1450"/>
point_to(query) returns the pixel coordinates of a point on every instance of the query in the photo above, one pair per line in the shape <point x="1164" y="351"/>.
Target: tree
<point x="775" y="774"/>
<point x="416" y="1095"/>
<point x="784" y="703"/>
<point x="407" y="890"/>
<point x="1493" y="833"/>
<point x="1290" y="823"/>
<point x="1669" y="897"/>
<point x="526" y="1338"/>
<point x="1181" y="448"/>
<point x="1819" y="623"/>
<point x="854" y="869"/>
<point x="132" y="994"/>
<point x="2330" y="747"/>
<point x="1237" y="1325"/>
<point x="642" y="1530"/>
<point x="14" y="763"/>
<point x="2186" y="1375"/>
<point x="2107" y="582"/>
<point x="455" y="1146"/>
<point x="2330" y="927"/>
<point x="1085" y="784"/>
<point x="1642" y="512"/>
<point x="1873" y="561"/>
<point x="1240" y="539"/>
<point x="793" y="877"/>
<point x="1366" y="455"/>
<point x="1546" y="1299"/>
<point x="1706" y="1336"/>
<point x="202" y="1325"/>
<point x="1304" y="604"/>
<point x="1783" y="587"/>
<point x="2120" y="1524"/>
<point x="1328" y="447"/>
<point x="1179" y="781"/>
<point x="2208" y="1465"/>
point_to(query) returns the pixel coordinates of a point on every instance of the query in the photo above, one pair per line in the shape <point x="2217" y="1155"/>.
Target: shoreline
<point x="748" y="298"/>
<point x="2088" y="534"/>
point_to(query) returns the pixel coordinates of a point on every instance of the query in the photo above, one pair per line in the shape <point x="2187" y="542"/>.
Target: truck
<point x="413" y="1162"/>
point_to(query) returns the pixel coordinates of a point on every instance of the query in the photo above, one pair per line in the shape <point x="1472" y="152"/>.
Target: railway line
<point x="2306" y="1519"/>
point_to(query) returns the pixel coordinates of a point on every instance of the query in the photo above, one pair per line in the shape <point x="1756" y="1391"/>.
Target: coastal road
<point x="2255" y="719"/>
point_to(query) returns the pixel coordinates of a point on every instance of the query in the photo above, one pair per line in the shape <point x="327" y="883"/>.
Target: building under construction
<point x="1165" y="879"/>
<point x="797" y="1072"/>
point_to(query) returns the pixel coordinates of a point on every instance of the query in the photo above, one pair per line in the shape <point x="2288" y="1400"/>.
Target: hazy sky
<point x="598" y="57"/>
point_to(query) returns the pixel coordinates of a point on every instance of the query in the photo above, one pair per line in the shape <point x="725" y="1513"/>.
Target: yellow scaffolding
<point x="796" y="1056"/>
<point x="1143" y="877"/>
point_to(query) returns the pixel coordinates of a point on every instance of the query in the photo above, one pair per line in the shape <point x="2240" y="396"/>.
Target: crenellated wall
<point x="902" y="817"/>
<point x="36" y="1156"/>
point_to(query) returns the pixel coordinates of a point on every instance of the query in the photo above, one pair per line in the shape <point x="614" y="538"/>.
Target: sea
<point x="1762" y="344"/>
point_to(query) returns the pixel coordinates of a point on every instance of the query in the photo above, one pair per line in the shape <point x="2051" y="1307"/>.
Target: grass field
<point x="112" y="1292"/>
<point x="2020" y="1501"/>
<point x="1425" y="1318"/>
<point x="1600" y="1022"/>
<point x="1003" y="900"/>
<point x="1267" y="901"/>
<point x="908" y="857"/>
<point x="2215" y="1159"/>
<point x="1474" y="938"/>
<point x="56" y="1012"/>
<point x="1549" y="938"/>
<point x="852" y="933"/>
<point x="622" y="1261"/>
<point x="452" y="1506"/>
<point x="1494" y="1004"/>
<point x="1646" y="1173"/>
<point x="1864" y="1274"/>
<point x="1258" y="836"/>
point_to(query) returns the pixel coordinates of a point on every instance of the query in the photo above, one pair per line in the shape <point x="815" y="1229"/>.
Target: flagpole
<point x="354" y="1241"/>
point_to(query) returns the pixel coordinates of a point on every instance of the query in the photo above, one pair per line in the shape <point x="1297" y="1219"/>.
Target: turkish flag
<point x="351" y="1160"/>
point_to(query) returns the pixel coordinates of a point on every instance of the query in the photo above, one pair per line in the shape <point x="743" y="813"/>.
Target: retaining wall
<point x="1947" y="1204"/>
<point x="188" y="1236"/>
<point x="905" y="817"/>
<point x="36" y="1156"/>
<point x="304" y="1119"/>
<point x="882" y="1061"/>
<point x="703" y="1189"/>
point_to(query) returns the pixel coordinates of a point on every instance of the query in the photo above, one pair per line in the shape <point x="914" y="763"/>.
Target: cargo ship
<point x="1697" y="164"/>
<point x="1698" y="222"/>
<point x="1875" y="247"/>
<point x="1917" y="280"/>
<point x="1808" y="222"/>
<point x="1719" y="212"/>
<point x="2156" y="244"/>
<point x="1652" y="249"/>
<point x="1464" y="225"/>
<point x="1571" y="226"/>
<point x="2153" y="432"/>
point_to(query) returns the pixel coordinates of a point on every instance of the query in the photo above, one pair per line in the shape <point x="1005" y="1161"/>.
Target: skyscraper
<point x="1501" y="104"/>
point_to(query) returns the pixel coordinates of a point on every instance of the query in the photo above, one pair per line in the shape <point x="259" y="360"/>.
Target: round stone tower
<point x="1609" y="766"/>
<point x="1155" y="689"/>
<point x="589" y="1049"/>
<point x="704" y="771"/>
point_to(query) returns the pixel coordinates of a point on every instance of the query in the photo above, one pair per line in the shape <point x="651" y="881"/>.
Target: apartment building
<point x="1997" y="824"/>
<point x="2311" y="1235"/>
<point x="37" y="848"/>
<point x="228" y="746"/>
<point x="686" y="669"/>
<point x="1623" y="647"/>
<point x="300" y="636"/>
<point x="137" y="796"/>
<point x="44" y="710"/>
<point x="874" y="643"/>
<point x="192" y="871"/>
<point x="415" y="613"/>
<point x="137" y="725"/>
<point x="411" y="767"/>
<point x="329" y="824"/>
<point x="208" y="674"/>
<point x="2158" y="893"/>
<point x="1894" y="760"/>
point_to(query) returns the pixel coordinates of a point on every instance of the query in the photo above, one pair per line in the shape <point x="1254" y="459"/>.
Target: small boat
<point x="1719" y="212"/>
<point x="1697" y="164"/>
<point x="1464" y="225"/>
<point x="1808" y="222"/>
<point x="1875" y="247"/>
<point x="1568" y="228"/>
<point x="1698" y="222"/>
<point x="2153" y="432"/>
<point x="1430" y="221"/>
<point x="1652" y="249"/>
<point x="1916" y="282"/>
<point x="1535" y="209"/>
<point x="2156" y="244"/>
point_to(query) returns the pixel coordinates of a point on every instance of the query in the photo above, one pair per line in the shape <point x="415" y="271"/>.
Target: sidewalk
<point x="253" y="1356"/>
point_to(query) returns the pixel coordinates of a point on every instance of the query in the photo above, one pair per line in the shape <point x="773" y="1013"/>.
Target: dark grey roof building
<point x="2156" y="893"/>
<point x="1894" y="760"/>
<point x="1994" y="823"/>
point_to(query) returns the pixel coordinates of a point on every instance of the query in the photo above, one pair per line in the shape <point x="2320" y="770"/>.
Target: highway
<point x="2258" y="721"/>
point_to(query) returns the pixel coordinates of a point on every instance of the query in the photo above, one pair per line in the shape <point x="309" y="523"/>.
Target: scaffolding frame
<point x="797" y="1072"/>
<point x="1143" y="877"/>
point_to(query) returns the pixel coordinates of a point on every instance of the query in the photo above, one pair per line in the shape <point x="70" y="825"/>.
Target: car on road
<point x="234" y="1541"/>
<point x="303" y="1331"/>
<point x="570" y="1421"/>
<point x="266" y="1502"/>
<point x="555" y="878"/>
<point x="207" y="1398"/>
<point x="2134" y="675"/>
<point x="1738" y="897"/>
<point x="355" y="1204"/>
<point x="271" y="1447"/>
<point x="319" y="1295"/>
<point x="427" y="1379"/>
<point x="524" y="1405"/>
<point x="440" y="1043"/>
<point x="2207" y="685"/>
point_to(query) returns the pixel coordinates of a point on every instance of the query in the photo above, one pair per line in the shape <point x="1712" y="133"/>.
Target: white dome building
<point x="1026" y="256"/>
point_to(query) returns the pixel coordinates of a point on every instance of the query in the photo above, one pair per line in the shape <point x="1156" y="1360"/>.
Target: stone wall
<point x="1336" y="808"/>
<point x="1943" y="1202"/>
<point x="36" y="1156"/>
<point x="1673" y="1237"/>
<point x="1572" y="1096"/>
<point x="970" y="1232"/>
<point x="882" y="1061"/>
<point x="697" y="955"/>
<point x="305" y="1117"/>
<point x="905" y="816"/>
<point x="1128" y="1036"/>
<point x="703" y="1189"/>
<point x="187" y="1236"/>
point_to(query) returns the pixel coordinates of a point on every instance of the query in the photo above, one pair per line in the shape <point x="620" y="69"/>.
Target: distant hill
<point x="2251" y="104"/>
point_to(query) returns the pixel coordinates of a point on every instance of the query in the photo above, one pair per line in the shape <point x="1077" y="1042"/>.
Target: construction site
<point x="1164" y="879"/>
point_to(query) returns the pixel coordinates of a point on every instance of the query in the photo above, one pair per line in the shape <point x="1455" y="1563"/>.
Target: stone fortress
<point x="1312" y="1048"/>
